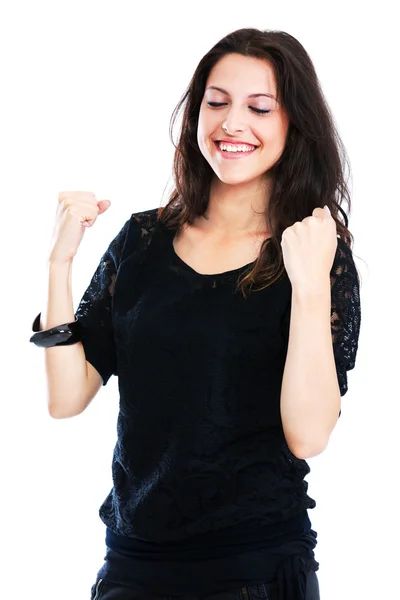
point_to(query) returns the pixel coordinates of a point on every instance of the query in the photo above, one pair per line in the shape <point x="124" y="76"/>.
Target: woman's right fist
<point x="75" y="212"/>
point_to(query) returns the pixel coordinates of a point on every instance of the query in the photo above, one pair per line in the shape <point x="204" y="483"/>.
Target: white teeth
<point x="235" y="147"/>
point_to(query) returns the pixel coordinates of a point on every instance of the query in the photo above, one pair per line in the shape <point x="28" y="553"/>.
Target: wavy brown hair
<point x="310" y="172"/>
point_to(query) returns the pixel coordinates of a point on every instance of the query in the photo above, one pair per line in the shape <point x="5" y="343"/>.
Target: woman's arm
<point x="310" y="395"/>
<point x="68" y="385"/>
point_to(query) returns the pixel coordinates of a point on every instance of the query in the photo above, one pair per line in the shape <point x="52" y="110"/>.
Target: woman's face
<point x="244" y="92"/>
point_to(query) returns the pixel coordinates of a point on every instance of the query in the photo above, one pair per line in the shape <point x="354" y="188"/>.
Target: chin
<point x="236" y="179"/>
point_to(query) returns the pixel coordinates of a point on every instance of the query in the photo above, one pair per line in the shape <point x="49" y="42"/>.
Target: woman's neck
<point x="237" y="208"/>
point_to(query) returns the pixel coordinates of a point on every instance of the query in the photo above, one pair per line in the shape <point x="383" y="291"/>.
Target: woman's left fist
<point x="309" y="248"/>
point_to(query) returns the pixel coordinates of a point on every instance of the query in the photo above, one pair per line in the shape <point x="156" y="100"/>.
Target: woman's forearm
<point x="66" y="367"/>
<point x="310" y="395"/>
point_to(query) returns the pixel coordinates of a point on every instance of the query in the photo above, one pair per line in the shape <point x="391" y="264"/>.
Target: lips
<point x="234" y="155"/>
<point x="230" y="143"/>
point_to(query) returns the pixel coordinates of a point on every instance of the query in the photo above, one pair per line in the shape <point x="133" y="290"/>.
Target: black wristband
<point x="60" y="335"/>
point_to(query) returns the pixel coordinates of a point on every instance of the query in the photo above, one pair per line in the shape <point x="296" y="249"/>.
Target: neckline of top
<point x="184" y="264"/>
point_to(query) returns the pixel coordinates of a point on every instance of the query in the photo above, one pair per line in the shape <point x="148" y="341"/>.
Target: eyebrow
<point x="214" y="87"/>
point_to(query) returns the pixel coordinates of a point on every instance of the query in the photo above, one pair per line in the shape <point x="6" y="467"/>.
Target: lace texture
<point x="345" y="312"/>
<point x="200" y="442"/>
<point x="95" y="307"/>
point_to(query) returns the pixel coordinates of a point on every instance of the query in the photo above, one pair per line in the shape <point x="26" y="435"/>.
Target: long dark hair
<point x="311" y="171"/>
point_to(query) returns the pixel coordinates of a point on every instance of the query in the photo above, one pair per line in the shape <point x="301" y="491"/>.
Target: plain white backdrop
<point x="87" y="91"/>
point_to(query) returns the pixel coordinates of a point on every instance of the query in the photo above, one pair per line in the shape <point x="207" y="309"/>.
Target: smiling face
<point x="242" y="128"/>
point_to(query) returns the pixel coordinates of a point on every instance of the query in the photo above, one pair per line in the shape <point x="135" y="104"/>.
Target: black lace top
<point x="200" y="446"/>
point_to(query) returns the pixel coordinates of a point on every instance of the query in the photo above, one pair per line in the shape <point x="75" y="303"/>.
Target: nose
<point x="233" y="124"/>
<point x="231" y="131"/>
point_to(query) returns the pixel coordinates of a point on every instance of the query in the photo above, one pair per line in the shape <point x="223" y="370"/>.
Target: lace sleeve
<point x="94" y="310"/>
<point x="345" y="312"/>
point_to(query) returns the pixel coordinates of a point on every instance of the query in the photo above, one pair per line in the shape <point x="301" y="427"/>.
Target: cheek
<point x="205" y="129"/>
<point x="200" y="138"/>
<point x="208" y="123"/>
<point x="201" y="128"/>
<point x="273" y="136"/>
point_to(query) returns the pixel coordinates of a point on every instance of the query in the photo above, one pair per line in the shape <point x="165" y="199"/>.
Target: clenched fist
<point x="309" y="248"/>
<point x="75" y="212"/>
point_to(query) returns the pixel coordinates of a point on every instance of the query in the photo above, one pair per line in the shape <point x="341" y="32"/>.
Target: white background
<point x="87" y="90"/>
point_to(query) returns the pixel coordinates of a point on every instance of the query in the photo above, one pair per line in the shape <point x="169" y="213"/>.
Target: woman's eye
<point x="259" y="111"/>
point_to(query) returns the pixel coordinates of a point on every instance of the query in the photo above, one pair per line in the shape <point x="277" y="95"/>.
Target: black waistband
<point x="227" y="562"/>
<point x="224" y="542"/>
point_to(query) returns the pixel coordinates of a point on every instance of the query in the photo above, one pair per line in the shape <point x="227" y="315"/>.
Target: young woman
<point x="231" y="317"/>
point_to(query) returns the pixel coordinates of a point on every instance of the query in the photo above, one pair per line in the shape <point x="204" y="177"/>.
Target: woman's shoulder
<point x="145" y="218"/>
<point x="139" y="229"/>
<point x="142" y="223"/>
<point x="344" y="263"/>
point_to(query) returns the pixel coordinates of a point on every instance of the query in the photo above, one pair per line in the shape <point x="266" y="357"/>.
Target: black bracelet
<point x="60" y="335"/>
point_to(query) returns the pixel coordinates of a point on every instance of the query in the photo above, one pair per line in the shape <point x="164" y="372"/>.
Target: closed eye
<point x="259" y="111"/>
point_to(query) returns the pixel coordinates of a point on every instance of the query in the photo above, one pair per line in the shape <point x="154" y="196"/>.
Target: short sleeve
<point x="345" y="312"/>
<point x="94" y="310"/>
